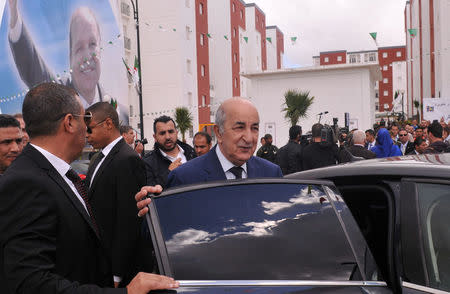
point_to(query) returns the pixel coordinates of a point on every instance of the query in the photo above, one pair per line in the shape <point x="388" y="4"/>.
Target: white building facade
<point x="337" y="89"/>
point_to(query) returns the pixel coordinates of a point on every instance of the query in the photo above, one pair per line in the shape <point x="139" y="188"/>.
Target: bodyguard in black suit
<point x="50" y="241"/>
<point x="403" y="142"/>
<point x="289" y="157"/>
<point x="114" y="177"/>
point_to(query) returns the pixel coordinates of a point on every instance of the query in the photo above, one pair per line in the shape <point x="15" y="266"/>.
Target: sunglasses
<point x="88" y="119"/>
<point x="402" y="135"/>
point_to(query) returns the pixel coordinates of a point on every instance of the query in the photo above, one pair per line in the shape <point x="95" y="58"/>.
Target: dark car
<point x="262" y="236"/>
<point x="402" y="207"/>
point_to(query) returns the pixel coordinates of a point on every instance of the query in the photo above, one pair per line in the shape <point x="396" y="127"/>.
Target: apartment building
<point x="427" y="47"/>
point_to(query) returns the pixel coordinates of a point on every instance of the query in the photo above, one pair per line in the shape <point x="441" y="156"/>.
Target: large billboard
<point x="72" y="42"/>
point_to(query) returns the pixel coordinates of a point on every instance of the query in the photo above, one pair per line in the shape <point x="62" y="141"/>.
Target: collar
<point x="171" y="158"/>
<point x="60" y="165"/>
<point x="358" y="145"/>
<point x="404" y="144"/>
<point x="110" y="146"/>
<point x="225" y="163"/>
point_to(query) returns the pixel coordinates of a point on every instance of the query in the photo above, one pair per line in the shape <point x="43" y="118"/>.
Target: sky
<point x="329" y="25"/>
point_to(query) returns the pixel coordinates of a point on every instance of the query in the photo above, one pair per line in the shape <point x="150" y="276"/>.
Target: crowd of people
<point x="65" y="233"/>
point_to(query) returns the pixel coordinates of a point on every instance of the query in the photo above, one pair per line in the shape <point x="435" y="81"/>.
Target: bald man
<point x="237" y="133"/>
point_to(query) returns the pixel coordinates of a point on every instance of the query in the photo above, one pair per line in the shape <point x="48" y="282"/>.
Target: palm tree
<point x="296" y="105"/>
<point x="183" y="118"/>
<point x="417" y="106"/>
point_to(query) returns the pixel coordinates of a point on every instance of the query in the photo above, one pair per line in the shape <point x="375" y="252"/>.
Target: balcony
<point x="127" y="43"/>
<point x="125" y="9"/>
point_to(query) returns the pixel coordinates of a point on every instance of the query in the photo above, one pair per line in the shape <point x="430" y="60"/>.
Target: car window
<point x="434" y="209"/>
<point x="256" y="231"/>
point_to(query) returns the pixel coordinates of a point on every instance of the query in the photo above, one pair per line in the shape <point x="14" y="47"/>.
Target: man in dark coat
<point x="319" y="154"/>
<point x="50" y="241"/>
<point x="268" y="151"/>
<point x="290" y="155"/>
<point x="168" y="153"/>
<point x="357" y="149"/>
<point x="437" y="143"/>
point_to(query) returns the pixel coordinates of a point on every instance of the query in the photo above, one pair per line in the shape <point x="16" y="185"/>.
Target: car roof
<point x="426" y="165"/>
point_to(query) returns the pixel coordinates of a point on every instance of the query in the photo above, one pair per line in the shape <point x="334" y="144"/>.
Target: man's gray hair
<point x="220" y="119"/>
<point x="358" y="137"/>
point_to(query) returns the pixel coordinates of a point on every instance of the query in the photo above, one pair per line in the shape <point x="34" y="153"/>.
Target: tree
<point x="183" y="118"/>
<point x="417" y="106"/>
<point x="296" y="105"/>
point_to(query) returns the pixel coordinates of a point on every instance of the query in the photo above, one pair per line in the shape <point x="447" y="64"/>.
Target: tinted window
<point x="434" y="206"/>
<point x="255" y="231"/>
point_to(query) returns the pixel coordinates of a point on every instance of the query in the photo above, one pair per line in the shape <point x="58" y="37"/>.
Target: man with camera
<point x="322" y="151"/>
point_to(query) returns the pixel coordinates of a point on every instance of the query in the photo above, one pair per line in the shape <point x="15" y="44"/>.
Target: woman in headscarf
<point x="385" y="147"/>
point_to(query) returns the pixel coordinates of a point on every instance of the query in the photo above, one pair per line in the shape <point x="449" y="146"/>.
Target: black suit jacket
<point x="409" y="148"/>
<point x="47" y="239"/>
<point x="360" y="151"/>
<point x="111" y="194"/>
<point x="289" y="158"/>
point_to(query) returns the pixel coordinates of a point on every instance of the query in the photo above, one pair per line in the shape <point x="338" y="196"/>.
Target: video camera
<point x="328" y="135"/>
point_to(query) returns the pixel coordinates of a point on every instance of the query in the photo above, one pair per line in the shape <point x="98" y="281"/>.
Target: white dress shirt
<point x="179" y="155"/>
<point x="105" y="152"/>
<point x="62" y="168"/>
<point x="226" y="165"/>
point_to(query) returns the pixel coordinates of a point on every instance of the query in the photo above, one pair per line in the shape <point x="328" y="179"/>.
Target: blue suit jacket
<point x="207" y="168"/>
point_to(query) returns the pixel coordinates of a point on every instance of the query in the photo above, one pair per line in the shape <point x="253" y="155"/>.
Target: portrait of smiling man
<point x="237" y="131"/>
<point x="84" y="38"/>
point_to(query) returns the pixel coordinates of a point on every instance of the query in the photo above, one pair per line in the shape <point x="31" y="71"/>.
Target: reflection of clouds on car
<point x="189" y="237"/>
<point x="274" y="207"/>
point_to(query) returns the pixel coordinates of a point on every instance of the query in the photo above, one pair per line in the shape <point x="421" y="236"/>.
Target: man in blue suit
<point x="237" y="132"/>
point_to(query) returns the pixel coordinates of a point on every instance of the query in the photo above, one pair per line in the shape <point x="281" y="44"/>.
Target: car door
<point x="425" y="235"/>
<point x="261" y="236"/>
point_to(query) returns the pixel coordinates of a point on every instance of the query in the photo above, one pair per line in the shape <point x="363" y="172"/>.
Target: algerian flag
<point x="226" y="37"/>
<point x="246" y="39"/>
<point x="208" y="35"/>
<point x="374" y="37"/>
<point x="412" y="32"/>
<point x="134" y="72"/>
<point x="293" y="40"/>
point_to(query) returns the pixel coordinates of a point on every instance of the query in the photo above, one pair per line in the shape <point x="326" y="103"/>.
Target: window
<point x="235" y="83"/>
<point x="188" y="66"/>
<point x="353" y="58"/>
<point x="385" y="54"/>
<point x="372" y="57"/>
<point x="280" y="218"/>
<point x="235" y="57"/>
<point x="377" y="106"/>
<point x="190" y="101"/>
<point x="200" y="8"/>
<point x="326" y="59"/>
<point x="376" y="94"/>
<point x="385" y="93"/>
<point x="385" y="80"/>
<point x="434" y="207"/>
<point x="385" y="67"/>
<point x="233" y="7"/>
<point x="202" y="70"/>
<point x="242" y="14"/>
<point x="399" y="54"/>
<point x="203" y="100"/>
<point x="188" y="33"/>
<point x="234" y="32"/>
<point x="202" y="39"/>
<point x="339" y="58"/>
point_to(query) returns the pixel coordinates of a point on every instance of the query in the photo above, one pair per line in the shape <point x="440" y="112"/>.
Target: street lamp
<point x="403" y="105"/>
<point x="141" y="111"/>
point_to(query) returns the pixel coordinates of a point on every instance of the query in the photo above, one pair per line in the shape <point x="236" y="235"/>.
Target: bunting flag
<point x="208" y="35"/>
<point x="269" y="39"/>
<point x="113" y="102"/>
<point x="374" y="37"/>
<point x="246" y="39"/>
<point x="412" y="32"/>
<point x="226" y="37"/>
<point x="293" y="40"/>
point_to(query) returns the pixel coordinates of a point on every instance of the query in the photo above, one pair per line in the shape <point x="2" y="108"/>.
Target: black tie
<point x="81" y="188"/>
<point x="236" y="171"/>
<point x="92" y="167"/>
